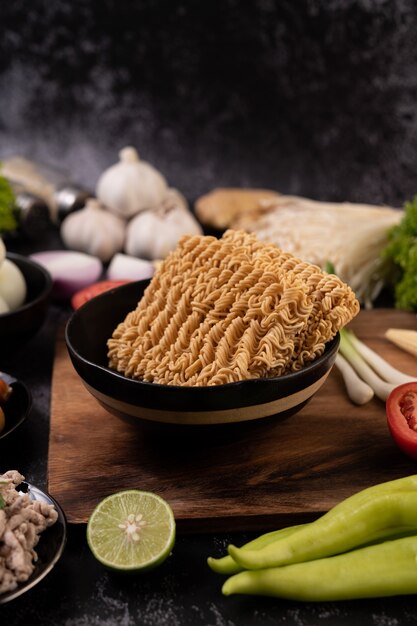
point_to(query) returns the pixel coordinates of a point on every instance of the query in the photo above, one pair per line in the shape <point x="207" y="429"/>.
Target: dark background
<point x="314" y="97"/>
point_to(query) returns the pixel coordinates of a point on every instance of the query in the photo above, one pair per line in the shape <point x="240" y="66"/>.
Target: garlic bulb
<point x="131" y="185"/>
<point x="94" y="230"/>
<point x="153" y="234"/>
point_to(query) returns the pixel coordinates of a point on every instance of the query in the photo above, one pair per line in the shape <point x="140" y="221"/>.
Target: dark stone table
<point x="311" y="97"/>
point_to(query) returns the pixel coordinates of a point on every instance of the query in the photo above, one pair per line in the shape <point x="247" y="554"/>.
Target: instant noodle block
<point x="227" y="330"/>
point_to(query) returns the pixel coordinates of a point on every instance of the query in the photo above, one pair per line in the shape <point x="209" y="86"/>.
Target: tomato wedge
<point x="401" y="408"/>
<point x="82" y="296"/>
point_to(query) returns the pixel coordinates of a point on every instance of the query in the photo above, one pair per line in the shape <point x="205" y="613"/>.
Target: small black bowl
<point x="50" y="547"/>
<point x="17" y="407"/>
<point x="17" y="327"/>
<point x="90" y="327"/>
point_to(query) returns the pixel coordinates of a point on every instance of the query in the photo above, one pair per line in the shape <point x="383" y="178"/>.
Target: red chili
<point x="401" y="408"/>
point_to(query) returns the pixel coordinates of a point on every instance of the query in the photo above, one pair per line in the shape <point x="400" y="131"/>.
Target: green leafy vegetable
<point x="329" y="268"/>
<point x="8" y="219"/>
<point x="401" y="255"/>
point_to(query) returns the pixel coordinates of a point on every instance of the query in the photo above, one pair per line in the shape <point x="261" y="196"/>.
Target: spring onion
<point x="358" y="391"/>
<point x="384" y="369"/>
<point x="370" y="367"/>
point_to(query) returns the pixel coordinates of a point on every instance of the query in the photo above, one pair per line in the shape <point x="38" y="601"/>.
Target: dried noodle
<point x="222" y="310"/>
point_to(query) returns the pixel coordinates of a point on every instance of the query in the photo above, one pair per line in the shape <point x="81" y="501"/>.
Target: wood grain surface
<point x="262" y="475"/>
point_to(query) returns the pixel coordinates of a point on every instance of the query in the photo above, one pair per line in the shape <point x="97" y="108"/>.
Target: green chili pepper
<point x="226" y="565"/>
<point x="369" y="515"/>
<point x="386" y="569"/>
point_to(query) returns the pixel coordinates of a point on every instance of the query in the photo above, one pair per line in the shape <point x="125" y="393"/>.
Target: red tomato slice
<point x="82" y="296"/>
<point x="401" y="410"/>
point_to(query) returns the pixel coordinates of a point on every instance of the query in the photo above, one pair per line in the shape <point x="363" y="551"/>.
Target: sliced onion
<point x="70" y="271"/>
<point x="125" y="267"/>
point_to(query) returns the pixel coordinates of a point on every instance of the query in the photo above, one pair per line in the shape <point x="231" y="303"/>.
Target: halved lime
<point x="131" y="530"/>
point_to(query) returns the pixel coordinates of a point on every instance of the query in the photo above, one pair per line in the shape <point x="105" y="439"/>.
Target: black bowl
<point x="17" y="407"/>
<point x="17" y="327"/>
<point x="86" y="335"/>
<point x="49" y="549"/>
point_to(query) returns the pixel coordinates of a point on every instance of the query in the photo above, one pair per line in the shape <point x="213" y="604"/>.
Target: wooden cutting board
<point x="264" y="475"/>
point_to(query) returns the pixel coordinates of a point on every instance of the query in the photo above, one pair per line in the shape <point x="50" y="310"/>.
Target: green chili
<point x="385" y="569"/>
<point x="363" y="518"/>
<point x="226" y="565"/>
